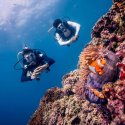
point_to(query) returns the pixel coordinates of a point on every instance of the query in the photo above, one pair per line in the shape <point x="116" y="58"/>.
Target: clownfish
<point x="97" y="66"/>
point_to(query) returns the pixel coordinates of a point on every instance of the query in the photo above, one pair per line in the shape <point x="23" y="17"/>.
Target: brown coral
<point x="59" y="108"/>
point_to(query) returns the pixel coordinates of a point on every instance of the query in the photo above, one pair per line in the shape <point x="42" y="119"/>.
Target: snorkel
<point x="55" y="25"/>
<point x="49" y="30"/>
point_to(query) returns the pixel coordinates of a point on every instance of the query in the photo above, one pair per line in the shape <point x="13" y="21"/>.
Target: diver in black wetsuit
<point x="34" y="63"/>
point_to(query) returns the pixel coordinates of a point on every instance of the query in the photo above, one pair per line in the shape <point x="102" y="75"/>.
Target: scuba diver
<point x="34" y="62"/>
<point x="66" y="31"/>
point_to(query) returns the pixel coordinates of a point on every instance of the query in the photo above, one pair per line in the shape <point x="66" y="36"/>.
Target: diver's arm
<point x="61" y="41"/>
<point x="48" y="60"/>
<point x="76" y="26"/>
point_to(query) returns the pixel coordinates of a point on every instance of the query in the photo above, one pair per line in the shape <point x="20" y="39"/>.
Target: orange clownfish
<point x="97" y="66"/>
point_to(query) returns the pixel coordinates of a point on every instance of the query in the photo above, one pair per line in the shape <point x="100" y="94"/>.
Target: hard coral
<point x="68" y="105"/>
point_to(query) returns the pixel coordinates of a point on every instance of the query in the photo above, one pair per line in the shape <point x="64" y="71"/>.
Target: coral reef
<point x="89" y="97"/>
<point x="66" y="110"/>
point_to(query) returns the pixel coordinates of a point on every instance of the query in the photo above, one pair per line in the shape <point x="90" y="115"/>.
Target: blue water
<point x="18" y="101"/>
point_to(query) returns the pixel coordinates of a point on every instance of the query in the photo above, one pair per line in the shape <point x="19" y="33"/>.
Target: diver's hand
<point x="33" y="76"/>
<point x="38" y="71"/>
<point x="41" y="68"/>
<point x="74" y="38"/>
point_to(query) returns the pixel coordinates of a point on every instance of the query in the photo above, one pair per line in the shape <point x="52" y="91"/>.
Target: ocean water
<point x="26" y="22"/>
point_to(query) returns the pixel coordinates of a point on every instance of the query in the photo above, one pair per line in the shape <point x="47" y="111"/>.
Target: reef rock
<point x="94" y="93"/>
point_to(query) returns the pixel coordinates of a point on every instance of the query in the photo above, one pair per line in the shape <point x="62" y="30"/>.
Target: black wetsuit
<point x="40" y="60"/>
